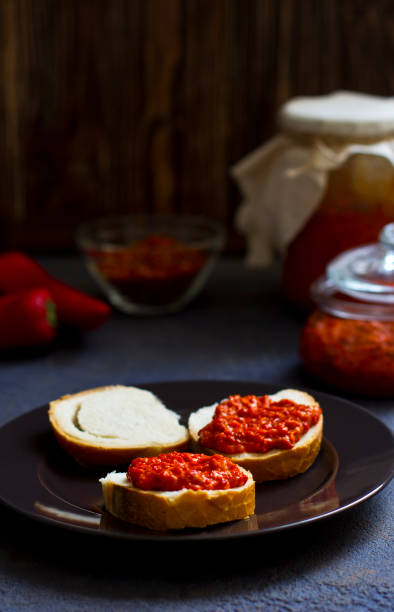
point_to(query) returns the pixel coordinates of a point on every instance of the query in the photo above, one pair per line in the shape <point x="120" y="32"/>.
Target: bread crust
<point x="274" y="464"/>
<point x="163" y="511"/>
<point x="90" y="453"/>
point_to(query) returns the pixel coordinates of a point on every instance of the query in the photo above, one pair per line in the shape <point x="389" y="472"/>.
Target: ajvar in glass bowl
<point x="151" y="264"/>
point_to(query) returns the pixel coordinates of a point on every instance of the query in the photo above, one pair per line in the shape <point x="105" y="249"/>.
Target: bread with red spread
<point x="177" y="509"/>
<point x="110" y="425"/>
<point x="276" y="463"/>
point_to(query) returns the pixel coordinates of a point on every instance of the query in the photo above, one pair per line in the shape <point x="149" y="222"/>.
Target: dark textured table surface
<point x="237" y="329"/>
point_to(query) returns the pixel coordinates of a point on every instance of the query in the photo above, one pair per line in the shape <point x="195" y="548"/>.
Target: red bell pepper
<point x="75" y="308"/>
<point x="27" y="318"/>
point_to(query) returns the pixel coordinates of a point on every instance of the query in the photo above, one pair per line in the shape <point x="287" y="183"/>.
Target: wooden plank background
<point x="129" y="105"/>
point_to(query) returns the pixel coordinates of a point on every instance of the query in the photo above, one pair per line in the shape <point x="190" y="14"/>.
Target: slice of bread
<point x="164" y="510"/>
<point x="275" y="464"/>
<point x="109" y="426"/>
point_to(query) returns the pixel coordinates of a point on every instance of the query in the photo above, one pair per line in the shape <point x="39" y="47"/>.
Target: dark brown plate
<point x="355" y="462"/>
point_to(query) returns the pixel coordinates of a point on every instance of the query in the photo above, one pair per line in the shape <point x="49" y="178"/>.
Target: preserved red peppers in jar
<point x="323" y="185"/>
<point x="356" y="139"/>
<point x="348" y="340"/>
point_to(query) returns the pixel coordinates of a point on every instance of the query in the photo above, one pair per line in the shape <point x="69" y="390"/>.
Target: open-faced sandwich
<point x="179" y="489"/>
<point x="273" y="436"/>
<point x="110" y="425"/>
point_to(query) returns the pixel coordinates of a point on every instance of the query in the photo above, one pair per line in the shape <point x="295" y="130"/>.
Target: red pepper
<point x="75" y="308"/>
<point x="27" y="318"/>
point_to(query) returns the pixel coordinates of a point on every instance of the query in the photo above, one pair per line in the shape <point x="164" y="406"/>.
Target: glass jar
<point x="351" y="138"/>
<point x="348" y="340"/>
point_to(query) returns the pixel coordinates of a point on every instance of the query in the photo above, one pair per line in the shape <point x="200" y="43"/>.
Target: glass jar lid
<point x="359" y="283"/>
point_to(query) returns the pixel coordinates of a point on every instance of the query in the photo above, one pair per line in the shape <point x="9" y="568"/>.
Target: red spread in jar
<point x="325" y="235"/>
<point x="155" y="270"/>
<point x="355" y="355"/>
<point x="255" y="424"/>
<point x="175" y="471"/>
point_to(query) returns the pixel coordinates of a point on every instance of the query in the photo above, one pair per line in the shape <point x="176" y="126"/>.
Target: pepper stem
<point x="51" y="314"/>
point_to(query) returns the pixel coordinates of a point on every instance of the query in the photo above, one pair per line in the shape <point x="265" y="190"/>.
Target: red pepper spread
<point x="154" y="270"/>
<point x="351" y="354"/>
<point x="175" y="471"/>
<point x="255" y="424"/>
<point x="325" y="235"/>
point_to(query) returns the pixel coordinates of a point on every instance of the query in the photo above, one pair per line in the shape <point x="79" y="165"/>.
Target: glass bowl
<point x="150" y="264"/>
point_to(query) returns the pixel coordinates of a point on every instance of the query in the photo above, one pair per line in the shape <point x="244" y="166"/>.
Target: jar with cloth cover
<point x="323" y="185"/>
